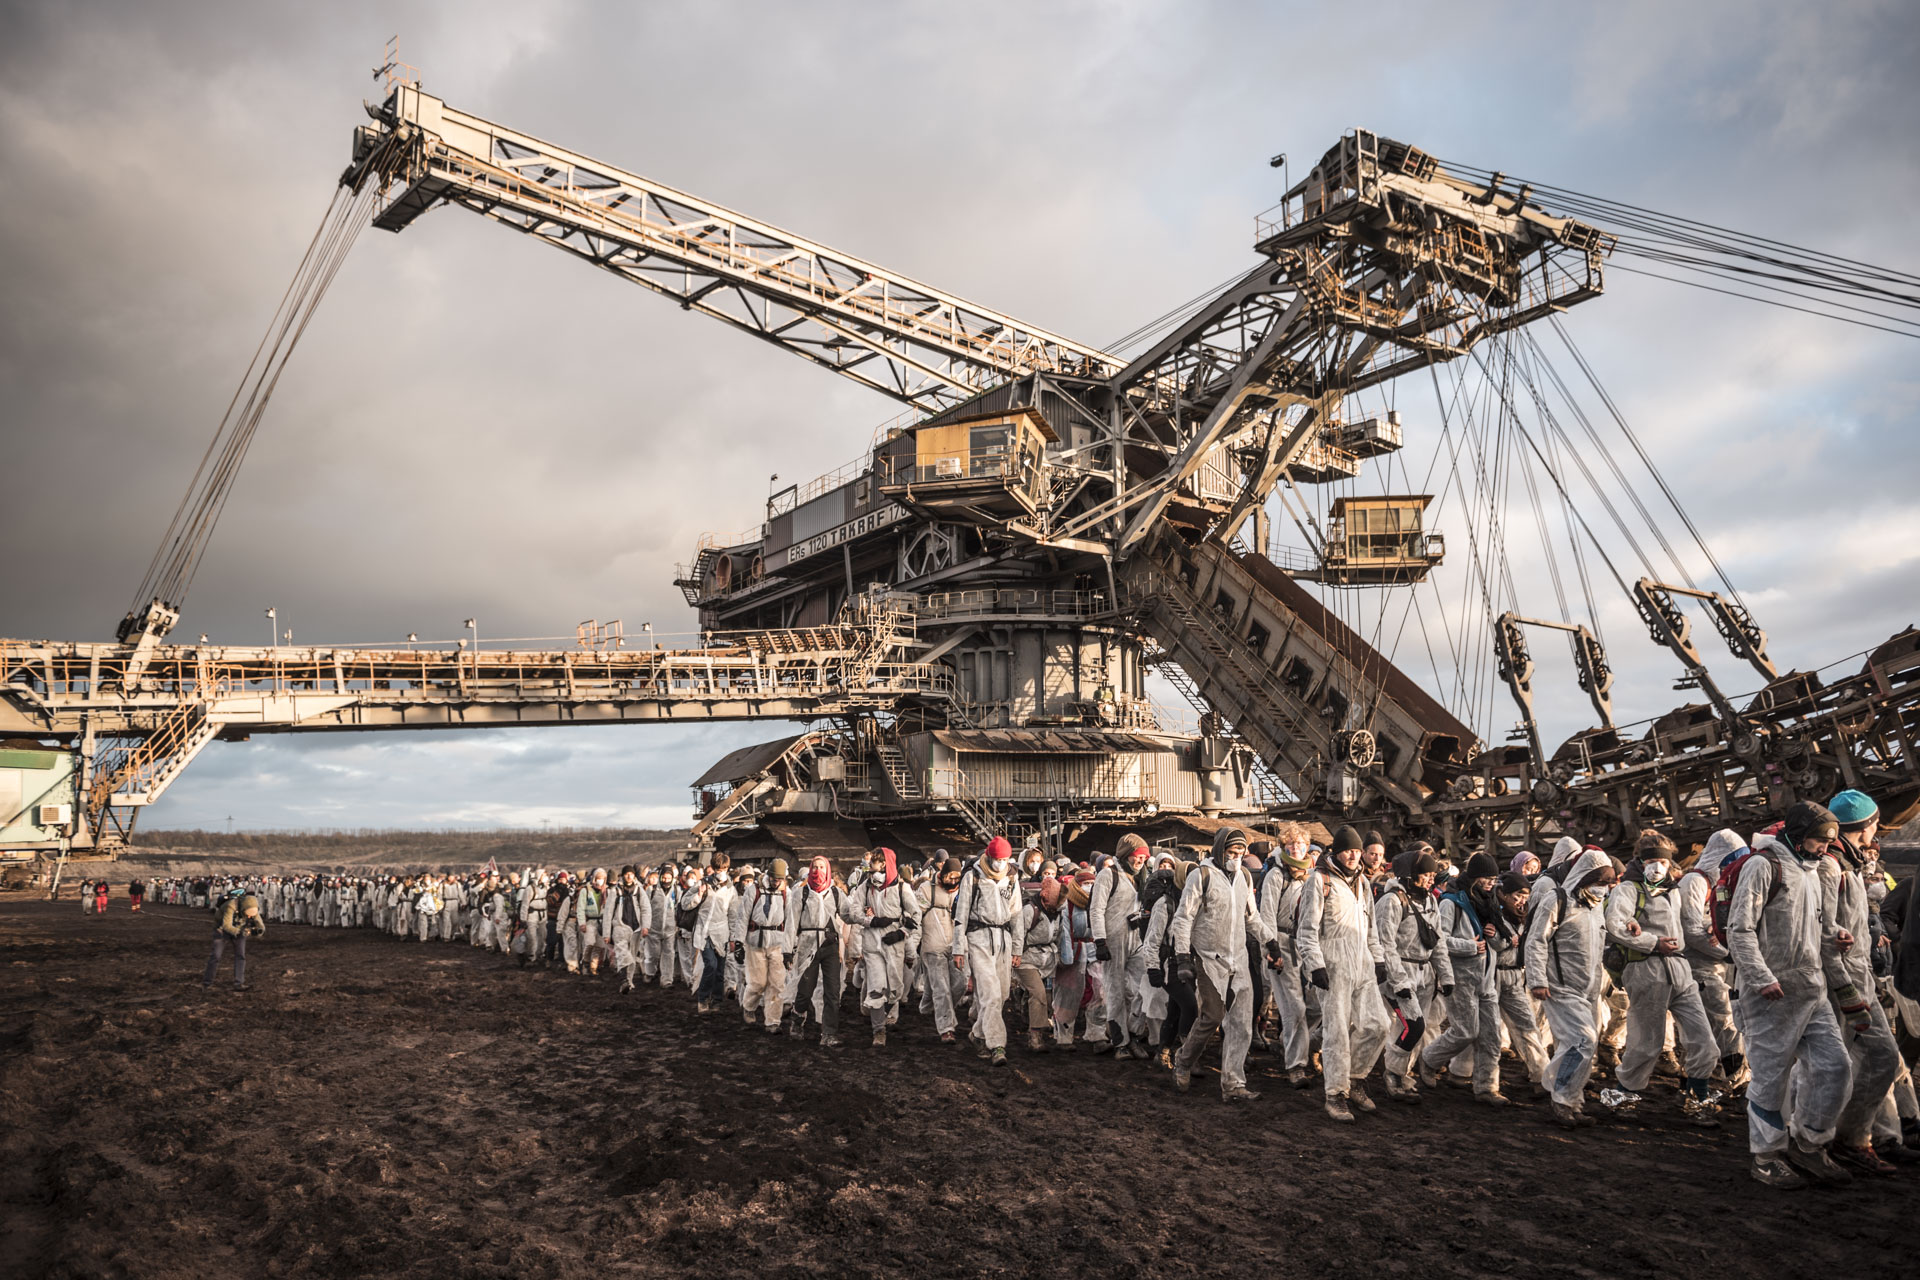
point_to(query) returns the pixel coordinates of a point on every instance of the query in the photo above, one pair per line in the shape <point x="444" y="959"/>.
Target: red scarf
<point x="818" y="880"/>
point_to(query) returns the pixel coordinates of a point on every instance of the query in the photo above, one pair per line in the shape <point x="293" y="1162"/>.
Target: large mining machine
<point x="965" y="618"/>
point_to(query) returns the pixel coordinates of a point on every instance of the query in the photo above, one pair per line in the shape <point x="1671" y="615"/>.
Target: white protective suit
<point x="1408" y="922"/>
<point x="990" y="929"/>
<point x="946" y="986"/>
<point x="1656" y="985"/>
<point x="1216" y="913"/>
<point x="763" y="936"/>
<point x="1712" y="967"/>
<point x="1865" y="1032"/>
<point x="1775" y="935"/>
<point x="1473" y="1010"/>
<point x="1336" y="934"/>
<point x="880" y="911"/>
<point x="813" y="943"/>
<point x="1279" y="908"/>
<point x="1114" y="906"/>
<point x="1566" y="932"/>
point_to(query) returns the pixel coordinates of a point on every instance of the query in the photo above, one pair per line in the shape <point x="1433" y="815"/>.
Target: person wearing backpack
<point x="1518" y="1011"/>
<point x="885" y="912"/>
<point x="1566" y="932"/>
<point x="1280" y="910"/>
<point x="1210" y="928"/>
<point x="657" y="942"/>
<point x="1645" y="940"/>
<point x="945" y="988"/>
<point x="812" y="948"/>
<point x="686" y="907"/>
<point x="1851" y="983"/>
<point x="1707" y="954"/>
<point x="236" y="918"/>
<point x="989" y="936"/>
<point x="1775" y="930"/>
<point x="1467" y="918"/>
<point x="1075" y="973"/>
<point x="1039" y="958"/>
<point x="1408" y="922"/>
<point x="1343" y="957"/>
<point x="1118" y="923"/>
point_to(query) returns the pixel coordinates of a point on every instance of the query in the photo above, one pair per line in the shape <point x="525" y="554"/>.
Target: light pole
<point x="273" y="632"/>
<point x="474" y="627"/>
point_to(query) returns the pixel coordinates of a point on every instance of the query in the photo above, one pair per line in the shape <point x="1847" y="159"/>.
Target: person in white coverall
<point x="885" y="911"/>
<point x="1775" y="929"/>
<point x="1643" y="922"/>
<point x="1467" y="921"/>
<point x="1342" y="956"/>
<point x="1210" y="928"/>
<point x="1566" y="933"/>
<point x="1706" y="955"/>
<point x="946" y="986"/>
<point x="761" y="945"/>
<point x="1118" y="927"/>
<point x="1280" y="909"/>
<point x="628" y="910"/>
<point x="1408" y="922"/>
<point x="989" y="935"/>
<point x="1848" y="954"/>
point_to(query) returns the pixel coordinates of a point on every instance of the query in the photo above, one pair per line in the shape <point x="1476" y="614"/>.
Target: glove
<point x="1446" y="989"/>
<point x="1273" y="949"/>
<point x="892" y="936"/>
<point x="1318" y="978"/>
<point x="1183" y="968"/>
<point x="740" y="951"/>
<point x="1155" y="978"/>
<point x="1379" y="970"/>
<point x="1853" y="1007"/>
<point x="1100" y="951"/>
<point x="1403" y="993"/>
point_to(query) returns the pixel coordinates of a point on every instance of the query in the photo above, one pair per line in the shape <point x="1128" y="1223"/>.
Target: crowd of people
<point x="1771" y="969"/>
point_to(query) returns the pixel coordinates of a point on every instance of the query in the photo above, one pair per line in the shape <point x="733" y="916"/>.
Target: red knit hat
<point x="999" y="848"/>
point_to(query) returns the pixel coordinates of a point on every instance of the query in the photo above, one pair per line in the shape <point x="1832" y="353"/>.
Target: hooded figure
<point x="1118" y="927"/>
<point x="1711" y="964"/>
<point x="1566" y="932"/>
<point x="815" y="907"/>
<point x="1210" y="929"/>
<point x="886" y="912"/>
<point x="1280" y="910"/>
<point x="761" y="946"/>
<point x="629" y="909"/>
<point x="945" y="987"/>
<point x="1408" y="923"/>
<point x="1849" y="943"/>
<point x="1343" y="957"/>
<point x="989" y="935"/>
<point x="1469" y="919"/>
<point x="1775" y="930"/>
<point x="1644" y="930"/>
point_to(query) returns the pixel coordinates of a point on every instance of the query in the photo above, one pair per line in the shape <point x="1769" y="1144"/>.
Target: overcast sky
<point x="478" y="426"/>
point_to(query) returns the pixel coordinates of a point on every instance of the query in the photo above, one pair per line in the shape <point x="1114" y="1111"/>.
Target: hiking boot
<point x="880" y="1038"/>
<point x="746" y="1015"/>
<point x="1896" y="1152"/>
<point x="243" y="986"/>
<point x="1734" y="1067"/>
<point x="1397" y="1086"/>
<point x="1036" y="1042"/>
<point x="1240" y="1093"/>
<point x="1138" y="1051"/>
<point x="1699" y="1112"/>
<point x="946" y="1037"/>
<point x="1772" y="1171"/>
<point x="1538" y="1092"/>
<point x="1492" y="1098"/>
<point x="1357" y="1096"/>
<point x="776" y="1028"/>
<point x="1182" y="1078"/>
<point x="1816" y="1164"/>
<point x="999" y="1058"/>
<point x="1337" y="1108"/>
<point x="1669" y="1065"/>
<point x="1863" y="1158"/>
<point x="1299" y="1077"/>
<point x="1565" y="1116"/>
<point x="983" y="1053"/>
<point x="828" y="1040"/>
<point x="1429" y="1078"/>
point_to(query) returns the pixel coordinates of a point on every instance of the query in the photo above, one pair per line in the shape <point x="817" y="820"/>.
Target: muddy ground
<point x="379" y="1108"/>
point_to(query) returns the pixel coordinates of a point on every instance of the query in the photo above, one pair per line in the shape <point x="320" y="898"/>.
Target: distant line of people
<point x="1774" y="967"/>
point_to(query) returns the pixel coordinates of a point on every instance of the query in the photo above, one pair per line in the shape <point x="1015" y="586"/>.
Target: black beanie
<point x="1344" y="839"/>
<point x="1480" y="866"/>
<point x="1807" y="819"/>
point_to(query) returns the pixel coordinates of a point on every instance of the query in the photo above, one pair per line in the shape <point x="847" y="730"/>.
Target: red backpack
<point x="1729" y="876"/>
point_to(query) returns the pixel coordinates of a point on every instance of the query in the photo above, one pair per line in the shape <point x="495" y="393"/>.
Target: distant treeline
<point x="459" y="837"/>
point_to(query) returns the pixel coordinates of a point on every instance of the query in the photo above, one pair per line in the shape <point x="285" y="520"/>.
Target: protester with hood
<point x="815" y="907"/>
<point x="1847" y="909"/>
<point x="711" y="925"/>
<point x="1776" y="927"/>
<point x="989" y="935"/>
<point x="1040" y="957"/>
<point x="1518" y="1012"/>
<point x="687" y="904"/>
<point x="1158" y="897"/>
<point x="658" y="940"/>
<point x="1706" y="956"/>
<point x="885" y="912"/>
<point x="759" y="945"/>
<point x="1118" y="927"/>
<point x="1343" y="957"/>
<point x="629" y="909"/>
<point x="1280" y="911"/>
<point x="1076" y="974"/>
<point x="1469" y="918"/>
<point x="945" y="987"/>
<point x="1216" y="914"/>
<point x="1643" y="928"/>
<point x="1565" y="935"/>
<point x="1407" y="921"/>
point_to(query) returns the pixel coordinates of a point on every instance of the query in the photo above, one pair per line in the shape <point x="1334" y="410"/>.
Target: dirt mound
<point x="374" y="1107"/>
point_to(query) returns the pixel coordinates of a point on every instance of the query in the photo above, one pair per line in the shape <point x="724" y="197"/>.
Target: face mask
<point x="1654" y="873"/>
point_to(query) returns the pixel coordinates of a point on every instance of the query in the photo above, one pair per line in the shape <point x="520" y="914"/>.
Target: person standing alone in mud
<point x="235" y="920"/>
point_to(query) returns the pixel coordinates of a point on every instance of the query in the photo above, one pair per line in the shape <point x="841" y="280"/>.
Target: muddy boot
<point x="999" y="1058"/>
<point x="1429" y="1078"/>
<point x="946" y="1037"/>
<point x="1772" y="1171"/>
<point x="1565" y="1116"/>
<point x="1036" y="1042"/>
<point x="1492" y="1098"/>
<point x="1337" y="1108"/>
<point x="1401" y="1089"/>
<point x="1182" y="1078"/>
<point x="1240" y="1093"/>
<point x="1139" y="1051"/>
<point x="1814" y="1163"/>
<point x="1863" y="1159"/>
<point x="1299" y="1077"/>
<point x="983" y="1053"/>
<point x="746" y="1016"/>
<point x="1357" y="1096"/>
<point x="828" y="1040"/>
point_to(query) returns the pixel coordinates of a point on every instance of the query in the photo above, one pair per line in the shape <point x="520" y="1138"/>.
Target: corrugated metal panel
<point x="15" y="758"/>
<point x="745" y="762"/>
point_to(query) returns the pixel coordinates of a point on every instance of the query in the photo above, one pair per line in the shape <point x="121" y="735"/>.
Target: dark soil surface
<point x="378" y="1108"/>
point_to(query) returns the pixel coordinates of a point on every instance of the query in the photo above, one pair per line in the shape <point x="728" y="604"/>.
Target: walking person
<point x="236" y="919"/>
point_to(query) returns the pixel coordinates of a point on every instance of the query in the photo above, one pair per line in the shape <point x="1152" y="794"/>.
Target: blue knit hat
<point x="1853" y="808"/>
